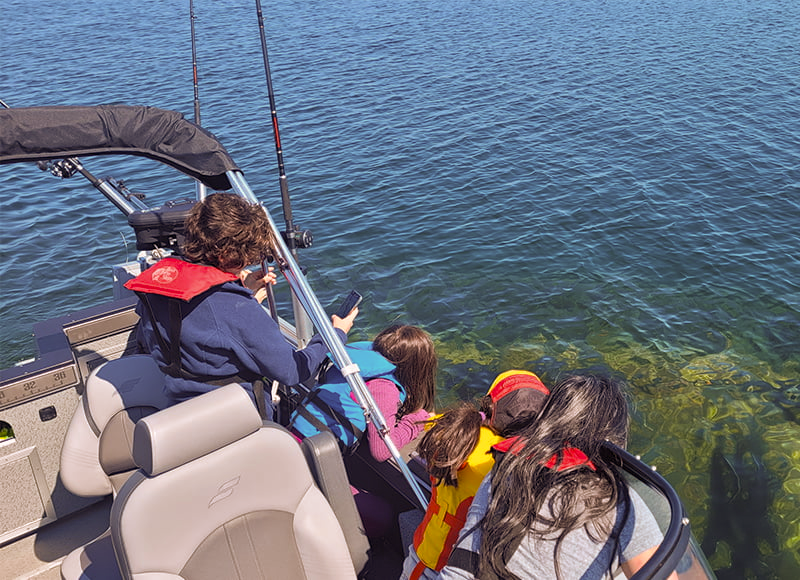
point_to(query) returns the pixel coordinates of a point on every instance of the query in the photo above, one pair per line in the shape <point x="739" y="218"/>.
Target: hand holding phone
<point x="353" y="299"/>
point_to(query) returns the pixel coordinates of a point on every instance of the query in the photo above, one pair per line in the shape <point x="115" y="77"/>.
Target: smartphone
<point x="353" y="299"/>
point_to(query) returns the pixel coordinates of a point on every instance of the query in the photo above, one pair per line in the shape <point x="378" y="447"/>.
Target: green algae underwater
<point x="724" y="429"/>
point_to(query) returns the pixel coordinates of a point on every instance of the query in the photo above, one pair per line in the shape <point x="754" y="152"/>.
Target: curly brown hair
<point x="228" y="232"/>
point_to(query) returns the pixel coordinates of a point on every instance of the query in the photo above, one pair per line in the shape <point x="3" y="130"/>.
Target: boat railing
<point x="678" y="556"/>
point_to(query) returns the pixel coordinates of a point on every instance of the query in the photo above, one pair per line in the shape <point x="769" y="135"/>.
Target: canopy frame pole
<point x="319" y="317"/>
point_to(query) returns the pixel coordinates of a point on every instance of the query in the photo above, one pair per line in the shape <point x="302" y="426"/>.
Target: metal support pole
<point x="321" y="320"/>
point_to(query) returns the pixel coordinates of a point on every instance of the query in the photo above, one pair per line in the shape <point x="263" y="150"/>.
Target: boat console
<point x="37" y="400"/>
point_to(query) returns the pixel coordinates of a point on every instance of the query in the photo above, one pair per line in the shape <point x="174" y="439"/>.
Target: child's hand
<point x="346" y="323"/>
<point x="258" y="282"/>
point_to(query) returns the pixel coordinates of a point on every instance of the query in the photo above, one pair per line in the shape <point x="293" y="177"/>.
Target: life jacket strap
<point x="259" y="393"/>
<point x="312" y="396"/>
<point x="175" y="323"/>
<point x="468" y="560"/>
<point x="172" y="352"/>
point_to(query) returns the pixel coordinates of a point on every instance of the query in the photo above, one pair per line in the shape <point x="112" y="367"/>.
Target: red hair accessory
<point x="570" y="456"/>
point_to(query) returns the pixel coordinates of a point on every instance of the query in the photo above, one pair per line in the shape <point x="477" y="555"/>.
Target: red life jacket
<point x="179" y="281"/>
<point x="175" y="278"/>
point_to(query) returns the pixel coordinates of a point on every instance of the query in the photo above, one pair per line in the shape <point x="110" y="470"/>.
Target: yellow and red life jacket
<point x="447" y="510"/>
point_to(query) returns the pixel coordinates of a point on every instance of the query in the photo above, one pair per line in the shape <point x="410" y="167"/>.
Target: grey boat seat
<point x="96" y="458"/>
<point x="219" y="494"/>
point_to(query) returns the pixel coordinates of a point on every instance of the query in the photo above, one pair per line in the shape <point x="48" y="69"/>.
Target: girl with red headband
<point x="458" y="451"/>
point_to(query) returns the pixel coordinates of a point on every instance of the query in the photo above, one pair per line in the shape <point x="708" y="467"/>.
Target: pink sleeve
<point x="387" y="398"/>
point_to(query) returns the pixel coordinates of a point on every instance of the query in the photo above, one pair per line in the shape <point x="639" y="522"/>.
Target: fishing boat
<point x="68" y="501"/>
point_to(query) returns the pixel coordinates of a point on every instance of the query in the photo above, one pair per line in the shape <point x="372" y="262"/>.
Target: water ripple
<point x="552" y="185"/>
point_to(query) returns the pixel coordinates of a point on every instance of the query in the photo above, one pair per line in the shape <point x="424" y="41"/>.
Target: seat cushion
<point x="94" y="561"/>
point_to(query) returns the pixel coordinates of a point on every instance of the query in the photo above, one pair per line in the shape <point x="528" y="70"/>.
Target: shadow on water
<point x="742" y="491"/>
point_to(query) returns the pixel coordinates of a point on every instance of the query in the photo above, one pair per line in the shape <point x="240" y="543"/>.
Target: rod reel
<point x="62" y="168"/>
<point x="298" y="238"/>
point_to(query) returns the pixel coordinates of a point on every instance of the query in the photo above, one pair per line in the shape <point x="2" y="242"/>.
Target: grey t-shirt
<point x="579" y="555"/>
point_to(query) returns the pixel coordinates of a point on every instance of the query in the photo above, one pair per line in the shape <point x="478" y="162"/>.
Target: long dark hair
<point x="227" y="232"/>
<point x="412" y="351"/>
<point x="448" y="443"/>
<point x="581" y="412"/>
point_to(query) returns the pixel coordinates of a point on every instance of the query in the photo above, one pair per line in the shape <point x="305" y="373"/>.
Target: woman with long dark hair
<point x="552" y="507"/>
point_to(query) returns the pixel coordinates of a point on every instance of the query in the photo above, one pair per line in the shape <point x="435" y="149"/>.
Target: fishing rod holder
<point x="66" y="168"/>
<point x="115" y="191"/>
<point x="123" y="190"/>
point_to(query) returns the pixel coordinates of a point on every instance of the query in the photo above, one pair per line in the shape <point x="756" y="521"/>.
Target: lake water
<point x="543" y="185"/>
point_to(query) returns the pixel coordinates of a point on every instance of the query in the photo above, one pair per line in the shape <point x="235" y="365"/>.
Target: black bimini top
<point x="43" y="133"/>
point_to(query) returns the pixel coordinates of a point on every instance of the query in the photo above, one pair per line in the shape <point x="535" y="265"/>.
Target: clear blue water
<point x="553" y="186"/>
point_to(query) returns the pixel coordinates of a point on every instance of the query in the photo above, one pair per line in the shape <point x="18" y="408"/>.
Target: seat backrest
<point x="324" y="458"/>
<point x="221" y="495"/>
<point x="96" y="455"/>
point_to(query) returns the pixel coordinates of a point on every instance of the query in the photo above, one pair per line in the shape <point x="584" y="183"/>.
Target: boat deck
<point x="39" y="554"/>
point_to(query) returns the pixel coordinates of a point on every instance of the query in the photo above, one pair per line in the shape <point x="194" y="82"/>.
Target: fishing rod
<point x="291" y="241"/>
<point x="293" y="236"/>
<point x="201" y="188"/>
<point x="304" y="294"/>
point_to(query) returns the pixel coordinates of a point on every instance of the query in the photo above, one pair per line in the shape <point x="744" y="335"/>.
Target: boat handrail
<point x="678" y="532"/>
<point x="310" y="303"/>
